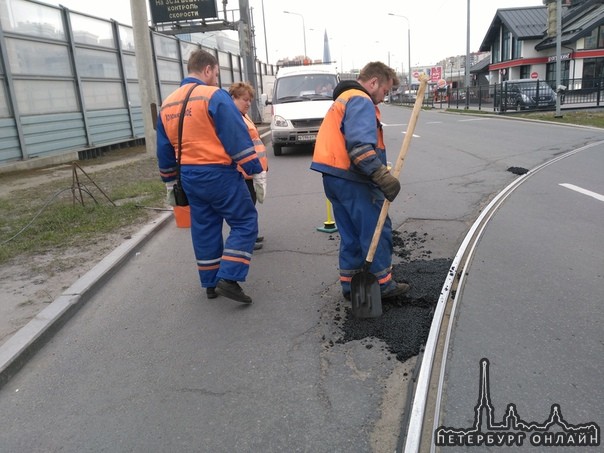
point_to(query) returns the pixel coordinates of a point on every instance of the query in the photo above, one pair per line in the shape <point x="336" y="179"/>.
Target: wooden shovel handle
<point x="398" y="166"/>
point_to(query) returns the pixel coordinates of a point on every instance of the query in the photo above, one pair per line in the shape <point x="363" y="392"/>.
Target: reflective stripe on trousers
<point x="356" y="208"/>
<point x="218" y="194"/>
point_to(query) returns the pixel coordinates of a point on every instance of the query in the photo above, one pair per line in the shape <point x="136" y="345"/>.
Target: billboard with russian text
<point x="434" y="73"/>
<point x="182" y="10"/>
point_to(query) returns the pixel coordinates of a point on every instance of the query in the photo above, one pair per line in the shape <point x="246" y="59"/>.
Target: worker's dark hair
<point x="199" y="60"/>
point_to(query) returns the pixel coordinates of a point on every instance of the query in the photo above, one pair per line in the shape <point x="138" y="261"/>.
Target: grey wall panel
<point x="138" y="122"/>
<point x="51" y="134"/>
<point x="9" y="141"/>
<point x="109" y="126"/>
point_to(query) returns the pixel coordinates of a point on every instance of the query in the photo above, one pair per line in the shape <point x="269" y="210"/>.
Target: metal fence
<point x="69" y="81"/>
<point x="501" y="98"/>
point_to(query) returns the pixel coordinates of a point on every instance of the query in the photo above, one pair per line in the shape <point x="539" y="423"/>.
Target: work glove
<point x="386" y="182"/>
<point x="170" y="199"/>
<point x="260" y="186"/>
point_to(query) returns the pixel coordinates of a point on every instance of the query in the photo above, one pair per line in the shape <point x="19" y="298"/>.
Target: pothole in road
<point x="517" y="170"/>
<point x="405" y="323"/>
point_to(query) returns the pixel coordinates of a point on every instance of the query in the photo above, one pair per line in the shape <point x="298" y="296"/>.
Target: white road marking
<point x="398" y="125"/>
<point x="589" y="193"/>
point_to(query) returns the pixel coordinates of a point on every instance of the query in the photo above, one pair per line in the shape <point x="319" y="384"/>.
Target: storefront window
<point x="593" y="71"/>
<point x="550" y="75"/>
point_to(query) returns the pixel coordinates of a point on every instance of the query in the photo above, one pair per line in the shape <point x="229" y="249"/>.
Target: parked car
<point x="458" y="94"/>
<point x="401" y="96"/>
<point x="524" y="94"/>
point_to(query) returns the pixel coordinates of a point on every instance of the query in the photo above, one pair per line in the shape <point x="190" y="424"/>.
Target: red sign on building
<point x="436" y="73"/>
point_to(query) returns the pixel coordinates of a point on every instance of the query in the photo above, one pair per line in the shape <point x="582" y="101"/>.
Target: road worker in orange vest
<point x="351" y="155"/>
<point x="243" y="96"/>
<point x="215" y="140"/>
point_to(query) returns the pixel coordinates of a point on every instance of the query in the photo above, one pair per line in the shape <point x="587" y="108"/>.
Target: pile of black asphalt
<point x="517" y="170"/>
<point x="405" y="322"/>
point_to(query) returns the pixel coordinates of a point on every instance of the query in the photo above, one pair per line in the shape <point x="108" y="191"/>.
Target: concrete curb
<point x="15" y="352"/>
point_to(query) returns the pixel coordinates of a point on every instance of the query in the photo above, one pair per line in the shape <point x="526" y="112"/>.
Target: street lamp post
<point x="303" y="29"/>
<point x="467" y="68"/>
<point x="264" y="25"/>
<point x="408" y="45"/>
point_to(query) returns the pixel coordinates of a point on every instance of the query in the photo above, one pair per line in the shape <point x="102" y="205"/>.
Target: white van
<point x="301" y="97"/>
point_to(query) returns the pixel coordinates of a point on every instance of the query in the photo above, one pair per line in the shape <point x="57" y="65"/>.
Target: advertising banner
<point x="434" y="73"/>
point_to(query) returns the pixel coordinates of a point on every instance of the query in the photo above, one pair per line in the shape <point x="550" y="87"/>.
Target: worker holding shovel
<point x="351" y="155"/>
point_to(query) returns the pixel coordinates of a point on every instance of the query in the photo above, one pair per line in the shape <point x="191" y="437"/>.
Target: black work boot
<point x="394" y="289"/>
<point x="211" y="293"/>
<point x="232" y="290"/>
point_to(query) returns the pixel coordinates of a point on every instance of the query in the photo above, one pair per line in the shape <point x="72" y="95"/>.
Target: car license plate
<point x="307" y="138"/>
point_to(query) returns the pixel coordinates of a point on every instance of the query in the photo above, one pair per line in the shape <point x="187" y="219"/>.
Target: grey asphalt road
<point x="531" y="306"/>
<point x="148" y="364"/>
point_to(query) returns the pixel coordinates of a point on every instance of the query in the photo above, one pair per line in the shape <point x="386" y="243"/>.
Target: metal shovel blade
<point x="365" y="295"/>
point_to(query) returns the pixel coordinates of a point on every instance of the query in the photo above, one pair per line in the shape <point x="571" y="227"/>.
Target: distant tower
<point x="326" y="54"/>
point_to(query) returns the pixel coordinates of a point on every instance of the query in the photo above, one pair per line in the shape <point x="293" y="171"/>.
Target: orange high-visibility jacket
<point x="351" y="147"/>
<point x="199" y="148"/>
<point x="258" y="146"/>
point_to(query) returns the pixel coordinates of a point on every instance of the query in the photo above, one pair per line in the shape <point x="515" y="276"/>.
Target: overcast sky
<point x="358" y="32"/>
